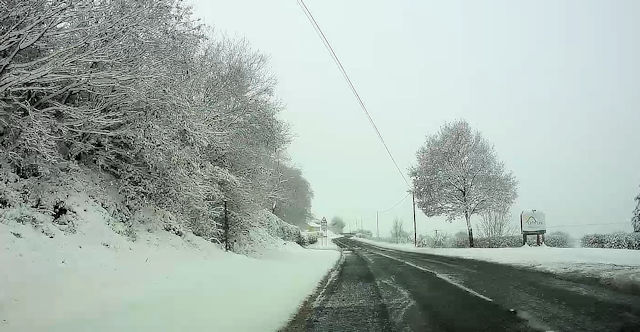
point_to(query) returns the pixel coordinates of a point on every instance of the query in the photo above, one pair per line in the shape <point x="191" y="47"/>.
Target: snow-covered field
<point x="617" y="267"/>
<point x="97" y="280"/>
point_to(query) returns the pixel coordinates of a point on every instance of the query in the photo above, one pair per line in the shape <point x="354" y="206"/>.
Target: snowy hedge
<point x="559" y="240"/>
<point x="309" y="238"/>
<point x="615" y="241"/>
<point x="556" y="239"/>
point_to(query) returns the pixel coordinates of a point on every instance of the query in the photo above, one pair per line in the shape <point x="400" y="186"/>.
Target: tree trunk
<point x="468" y="218"/>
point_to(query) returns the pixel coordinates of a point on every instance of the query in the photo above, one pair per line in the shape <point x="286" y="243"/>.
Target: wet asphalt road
<point x="376" y="289"/>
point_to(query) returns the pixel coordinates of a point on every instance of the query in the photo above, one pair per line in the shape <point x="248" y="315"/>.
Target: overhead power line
<point x="394" y="205"/>
<point x="335" y="58"/>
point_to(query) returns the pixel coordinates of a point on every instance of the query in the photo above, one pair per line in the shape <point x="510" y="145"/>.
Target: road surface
<point x="377" y="289"/>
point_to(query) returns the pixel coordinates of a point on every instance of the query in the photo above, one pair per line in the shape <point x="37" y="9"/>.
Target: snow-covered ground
<point x="617" y="267"/>
<point x="97" y="280"/>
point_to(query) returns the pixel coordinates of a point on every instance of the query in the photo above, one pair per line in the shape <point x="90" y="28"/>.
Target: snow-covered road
<point x="380" y="289"/>
<point x="619" y="268"/>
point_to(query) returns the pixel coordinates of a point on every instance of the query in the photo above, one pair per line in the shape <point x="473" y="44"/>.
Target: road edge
<point x="298" y="321"/>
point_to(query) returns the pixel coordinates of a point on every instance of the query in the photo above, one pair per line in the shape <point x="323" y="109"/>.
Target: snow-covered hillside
<point x="619" y="268"/>
<point x="98" y="280"/>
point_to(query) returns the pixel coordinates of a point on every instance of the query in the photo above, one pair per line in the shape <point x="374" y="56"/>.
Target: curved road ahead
<point x="377" y="289"/>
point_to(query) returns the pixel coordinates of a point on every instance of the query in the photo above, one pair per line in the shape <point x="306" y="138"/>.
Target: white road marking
<point x="439" y="275"/>
<point x="426" y="259"/>
<point x="405" y="301"/>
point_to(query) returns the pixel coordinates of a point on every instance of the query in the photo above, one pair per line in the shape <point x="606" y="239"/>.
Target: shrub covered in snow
<point x="615" y="241"/>
<point x="71" y="194"/>
<point x="559" y="240"/>
<point x="262" y="229"/>
<point x="499" y="242"/>
<point x="556" y="239"/>
<point x="309" y="238"/>
<point x="442" y="240"/>
<point x="276" y="227"/>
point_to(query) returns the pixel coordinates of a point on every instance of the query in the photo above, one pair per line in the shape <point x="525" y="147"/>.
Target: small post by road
<point x="415" y="230"/>
<point x="377" y="226"/>
<point x="324" y="229"/>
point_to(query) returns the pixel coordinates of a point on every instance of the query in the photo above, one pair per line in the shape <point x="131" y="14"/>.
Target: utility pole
<point x="415" y="229"/>
<point x="377" y="226"/>
<point x="226" y="228"/>
<point x="275" y="201"/>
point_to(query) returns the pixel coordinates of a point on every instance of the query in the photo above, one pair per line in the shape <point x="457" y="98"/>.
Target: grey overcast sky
<point x="554" y="85"/>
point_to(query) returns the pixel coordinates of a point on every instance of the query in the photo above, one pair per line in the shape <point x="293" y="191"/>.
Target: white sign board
<point x="323" y="224"/>
<point x="532" y="221"/>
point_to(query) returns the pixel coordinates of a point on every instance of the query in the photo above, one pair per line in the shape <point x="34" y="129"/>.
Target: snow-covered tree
<point x="635" y="220"/>
<point x="294" y="205"/>
<point x="337" y="225"/>
<point x="458" y="175"/>
<point x="138" y="89"/>
<point x="398" y="234"/>
<point x="495" y="222"/>
<point x="75" y="73"/>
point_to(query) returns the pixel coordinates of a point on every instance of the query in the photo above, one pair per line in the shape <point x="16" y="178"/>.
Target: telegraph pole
<point x="377" y="226"/>
<point x="226" y="228"/>
<point x="415" y="229"/>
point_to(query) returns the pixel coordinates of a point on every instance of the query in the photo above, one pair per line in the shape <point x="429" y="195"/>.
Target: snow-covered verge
<point x="75" y="257"/>
<point x="619" y="268"/>
<point x="97" y="280"/>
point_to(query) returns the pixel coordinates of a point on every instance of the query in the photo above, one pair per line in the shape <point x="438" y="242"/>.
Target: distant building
<point x="313" y="227"/>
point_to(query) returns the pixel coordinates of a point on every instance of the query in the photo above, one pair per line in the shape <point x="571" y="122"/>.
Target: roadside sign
<point x="532" y="222"/>
<point x="323" y="224"/>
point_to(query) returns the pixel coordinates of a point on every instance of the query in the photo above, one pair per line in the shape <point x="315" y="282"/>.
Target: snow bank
<point x="96" y="280"/>
<point x="616" y="267"/>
